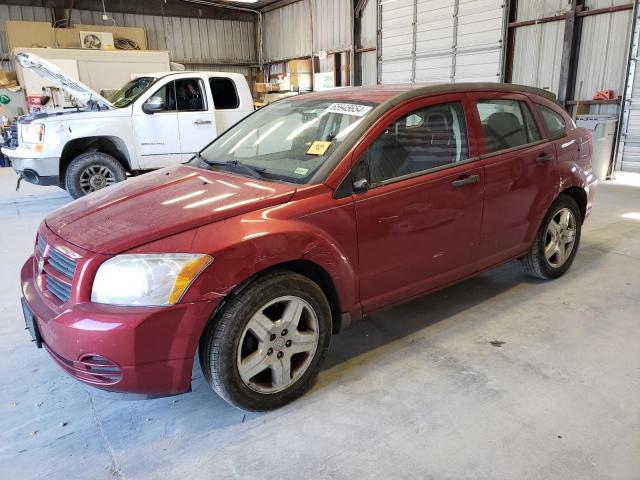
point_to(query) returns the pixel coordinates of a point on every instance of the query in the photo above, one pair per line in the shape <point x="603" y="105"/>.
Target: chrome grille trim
<point x="58" y="289"/>
<point x="62" y="263"/>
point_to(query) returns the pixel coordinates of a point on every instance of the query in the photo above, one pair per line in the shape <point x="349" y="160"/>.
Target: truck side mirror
<point x="153" y="105"/>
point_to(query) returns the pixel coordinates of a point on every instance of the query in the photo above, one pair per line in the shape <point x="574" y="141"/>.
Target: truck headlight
<point x="147" y="279"/>
<point x="32" y="133"/>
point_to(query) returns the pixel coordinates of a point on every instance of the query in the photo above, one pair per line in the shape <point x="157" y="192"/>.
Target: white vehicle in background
<point x="151" y="122"/>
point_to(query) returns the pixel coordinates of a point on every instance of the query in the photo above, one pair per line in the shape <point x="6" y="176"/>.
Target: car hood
<point x="53" y="74"/>
<point x="159" y="204"/>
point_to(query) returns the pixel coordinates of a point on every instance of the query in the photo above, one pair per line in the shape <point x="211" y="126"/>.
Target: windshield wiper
<point x="253" y="171"/>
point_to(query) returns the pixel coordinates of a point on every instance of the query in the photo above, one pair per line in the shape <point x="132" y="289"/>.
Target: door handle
<point x="466" y="181"/>
<point x="201" y="122"/>
<point x="545" y="157"/>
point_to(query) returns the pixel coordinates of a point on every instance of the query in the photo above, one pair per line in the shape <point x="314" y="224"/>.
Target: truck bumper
<point x="39" y="171"/>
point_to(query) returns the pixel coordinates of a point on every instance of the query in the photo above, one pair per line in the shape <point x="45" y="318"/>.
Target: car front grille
<point x="57" y="268"/>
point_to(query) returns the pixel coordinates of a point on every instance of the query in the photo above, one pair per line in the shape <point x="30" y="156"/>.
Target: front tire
<point x="556" y="242"/>
<point x="91" y="171"/>
<point x="268" y="343"/>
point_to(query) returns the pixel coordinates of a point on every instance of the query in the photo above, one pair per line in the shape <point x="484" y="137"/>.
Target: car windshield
<point x="127" y="94"/>
<point x="286" y="141"/>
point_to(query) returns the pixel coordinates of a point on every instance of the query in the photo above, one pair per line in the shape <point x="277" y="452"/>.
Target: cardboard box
<point x="300" y="66"/>
<point x="302" y="81"/>
<point x="8" y="79"/>
<point x="266" y="87"/>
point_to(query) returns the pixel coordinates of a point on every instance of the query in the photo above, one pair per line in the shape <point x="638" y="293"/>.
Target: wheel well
<point x="317" y="275"/>
<point x="110" y="145"/>
<point x="579" y="195"/>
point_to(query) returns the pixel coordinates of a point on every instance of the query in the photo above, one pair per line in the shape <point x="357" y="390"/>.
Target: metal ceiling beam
<point x="173" y="8"/>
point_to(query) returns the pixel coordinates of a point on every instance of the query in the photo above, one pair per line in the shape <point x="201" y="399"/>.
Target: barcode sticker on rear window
<point x="348" y="109"/>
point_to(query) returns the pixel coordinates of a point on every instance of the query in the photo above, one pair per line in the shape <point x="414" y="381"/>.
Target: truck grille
<point x="57" y="268"/>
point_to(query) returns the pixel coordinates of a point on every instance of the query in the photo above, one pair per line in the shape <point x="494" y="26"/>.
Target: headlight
<point x="32" y="132"/>
<point x="147" y="279"/>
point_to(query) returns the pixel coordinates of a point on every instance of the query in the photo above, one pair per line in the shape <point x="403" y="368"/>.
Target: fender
<point x="280" y="241"/>
<point x="571" y="175"/>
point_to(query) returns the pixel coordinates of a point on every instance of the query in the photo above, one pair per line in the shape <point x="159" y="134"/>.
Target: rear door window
<point x="506" y="124"/>
<point x="225" y="94"/>
<point x="553" y="121"/>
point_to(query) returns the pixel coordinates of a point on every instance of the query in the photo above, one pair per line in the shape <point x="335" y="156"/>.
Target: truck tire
<point x="267" y="344"/>
<point x="91" y="171"/>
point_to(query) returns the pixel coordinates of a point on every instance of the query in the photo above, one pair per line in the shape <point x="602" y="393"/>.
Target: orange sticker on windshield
<point x="318" y="148"/>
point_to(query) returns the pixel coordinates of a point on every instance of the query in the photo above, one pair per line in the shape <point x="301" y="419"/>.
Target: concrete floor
<point x="416" y="391"/>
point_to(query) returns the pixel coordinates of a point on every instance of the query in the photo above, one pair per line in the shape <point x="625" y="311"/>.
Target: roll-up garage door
<point x="440" y="40"/>
<point x="629" y="149"/>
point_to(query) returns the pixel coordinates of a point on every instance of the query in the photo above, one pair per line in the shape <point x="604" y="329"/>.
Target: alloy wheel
<point x="278" y="344"/>
<point x="96" y="177"/>
<point x="560" y="237"/>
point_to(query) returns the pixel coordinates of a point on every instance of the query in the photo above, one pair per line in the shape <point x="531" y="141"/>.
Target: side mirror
<point x="153" y="105"/>
<point x="361" y="185"/>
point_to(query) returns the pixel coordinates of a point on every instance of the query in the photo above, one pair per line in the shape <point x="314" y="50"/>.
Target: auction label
<point x="349" y="109"/>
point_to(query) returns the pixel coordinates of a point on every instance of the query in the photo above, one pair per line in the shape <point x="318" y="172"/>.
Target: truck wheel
<point x="91" y="171"/>
<point x="267" y="345"/>
<point x="556" y="243"/>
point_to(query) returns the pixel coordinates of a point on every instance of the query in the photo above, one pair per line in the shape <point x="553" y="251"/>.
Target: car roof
<point x="401" y="92"/>
<point x="159" y="75"/>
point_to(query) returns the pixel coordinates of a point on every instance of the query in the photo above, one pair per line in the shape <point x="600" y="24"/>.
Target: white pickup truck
<point x="151" y="122"/>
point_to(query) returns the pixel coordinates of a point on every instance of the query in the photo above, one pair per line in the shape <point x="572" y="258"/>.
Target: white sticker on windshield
<point x="348" y="109"/>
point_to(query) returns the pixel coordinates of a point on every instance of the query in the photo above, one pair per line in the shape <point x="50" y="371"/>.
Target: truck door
<point x="157" y="134"/>
<point x="226" y="101"/>
<point x="196" y="117"/>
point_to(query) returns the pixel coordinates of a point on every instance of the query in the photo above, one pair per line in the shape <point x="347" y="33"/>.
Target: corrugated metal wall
<point x="369" y="39"/>
<point x="441" y="40"/>
<point x="331" y="24"/>
<point x="187" y="39"/>
<point x="540" y="66"/>
<point x="603" y="48"/>
<point x="287" y="30"/>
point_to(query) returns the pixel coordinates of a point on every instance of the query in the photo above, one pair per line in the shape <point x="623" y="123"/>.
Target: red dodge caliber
<point x="307" y="215"/>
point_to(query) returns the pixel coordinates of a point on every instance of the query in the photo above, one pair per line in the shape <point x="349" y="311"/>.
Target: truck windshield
<point x="127" y="94"/>
<point x="288" y="140"/>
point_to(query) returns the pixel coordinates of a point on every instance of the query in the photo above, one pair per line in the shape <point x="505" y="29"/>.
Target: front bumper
<point x="40" y="171"/>
<point x="139" y="350"/>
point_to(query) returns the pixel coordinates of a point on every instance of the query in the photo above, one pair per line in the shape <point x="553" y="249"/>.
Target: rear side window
<point x="425" y="139"/>
<point x="225" y="95"/>
<point x="506" y="124"/>
<point x="553" y="121"/>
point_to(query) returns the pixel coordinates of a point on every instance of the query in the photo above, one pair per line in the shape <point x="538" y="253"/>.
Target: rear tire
<point x="268" y="343"/>
<point x="556" y="242"/>
<point x="91" y="171"/>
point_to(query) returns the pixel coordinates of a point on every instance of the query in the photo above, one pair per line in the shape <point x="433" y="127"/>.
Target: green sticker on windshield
<point x="301" y="171"/>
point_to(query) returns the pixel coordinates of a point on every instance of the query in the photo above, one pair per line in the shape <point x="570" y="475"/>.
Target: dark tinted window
<point x="225" y="96"/>
<point x="189" y="94"/>
<point x="168" y="94"/>
<point x="425" y="139"/>
<point x="506" y="124"/>
<point x="553" y="121"/>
